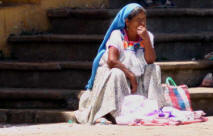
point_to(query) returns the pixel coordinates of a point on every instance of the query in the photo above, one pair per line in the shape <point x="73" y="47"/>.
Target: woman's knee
<point x="117" y="72"/>
<point x="153" y="66"/>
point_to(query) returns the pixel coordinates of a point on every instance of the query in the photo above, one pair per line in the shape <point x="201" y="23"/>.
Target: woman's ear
<point x="127" y="22"/>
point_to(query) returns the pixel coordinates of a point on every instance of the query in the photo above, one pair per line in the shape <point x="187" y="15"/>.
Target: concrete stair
<point x="169" y="47"/>
<point x="193" y="3"/>
<point x="178" y="3"/>
<point x="43" y="79"/>
<point x="97" y="21"/>
<point x="55" y="47"/>
<point x="37" y="98"/>
<point x="61" y="75"/>
<point x="74" y="75"/>
<point x="201" y="98"/>
<point x="32" y="116"/>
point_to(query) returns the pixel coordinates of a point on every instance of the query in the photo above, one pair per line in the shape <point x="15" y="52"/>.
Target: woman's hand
<point x="133" y="82"/>
<point x="142" y="32"/>
<point x="149" y="52"/>
<point x="113" y="62"/>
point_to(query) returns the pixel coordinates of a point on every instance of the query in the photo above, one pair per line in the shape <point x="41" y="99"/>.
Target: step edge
<point x="37" y="93"/>
<point x="86" y="65"/>
<point x="109" y="13"/>
<point x="38" y="110"/>
<point x="52" y="38"/>
<point x="202" y="64"/>
<point x="35" y="116"/>
<point x="54" y="66"/>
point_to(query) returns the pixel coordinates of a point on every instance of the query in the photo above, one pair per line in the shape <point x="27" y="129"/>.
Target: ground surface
<point x="66" y="129"/>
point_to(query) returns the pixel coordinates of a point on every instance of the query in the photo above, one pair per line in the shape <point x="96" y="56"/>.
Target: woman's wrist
<point x="145" y="35"/>
<point x="131" y="75"/>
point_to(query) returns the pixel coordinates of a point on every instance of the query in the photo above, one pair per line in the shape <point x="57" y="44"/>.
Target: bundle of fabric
<point x="138" y="110"/>
<point x="209" y="56"/>
<point x="207" y="80"/>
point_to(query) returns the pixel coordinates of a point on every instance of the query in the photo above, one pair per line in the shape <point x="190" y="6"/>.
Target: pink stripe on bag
<point x="173" y="98"/>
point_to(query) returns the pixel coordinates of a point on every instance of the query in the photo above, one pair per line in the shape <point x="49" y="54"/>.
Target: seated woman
<point x="123" y="66"/>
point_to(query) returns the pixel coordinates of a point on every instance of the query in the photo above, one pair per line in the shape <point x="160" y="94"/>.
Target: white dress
<point x="111" y="85"/>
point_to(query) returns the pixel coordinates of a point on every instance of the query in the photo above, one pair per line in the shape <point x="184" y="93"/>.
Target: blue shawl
<point x="118" y="23"/>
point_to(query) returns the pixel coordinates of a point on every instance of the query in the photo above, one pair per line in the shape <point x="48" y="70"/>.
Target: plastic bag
<point x="207" y="81"/>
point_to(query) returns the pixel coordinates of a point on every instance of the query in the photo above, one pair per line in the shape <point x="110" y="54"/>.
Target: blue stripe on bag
<point x="180" y="101"/>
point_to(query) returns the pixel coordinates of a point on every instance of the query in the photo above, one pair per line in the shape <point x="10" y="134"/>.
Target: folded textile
<point x="138" y="110"/>
<point x="207" y="81"/>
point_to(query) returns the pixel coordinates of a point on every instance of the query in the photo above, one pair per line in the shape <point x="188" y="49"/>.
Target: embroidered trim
<point x="131" y="45"/>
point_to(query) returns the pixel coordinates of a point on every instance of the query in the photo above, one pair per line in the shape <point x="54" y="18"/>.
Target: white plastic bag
<point x="207" y="81"/>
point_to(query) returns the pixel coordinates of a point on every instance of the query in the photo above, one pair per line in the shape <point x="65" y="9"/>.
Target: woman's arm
<point x="113" y="62"/>
<point x="149" y="52"/>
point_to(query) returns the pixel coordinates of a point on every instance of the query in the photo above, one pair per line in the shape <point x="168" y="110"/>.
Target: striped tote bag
<point x="177" y="96"/>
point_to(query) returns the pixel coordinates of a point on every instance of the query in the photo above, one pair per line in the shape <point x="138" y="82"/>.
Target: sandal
<point x="102" y="121"/>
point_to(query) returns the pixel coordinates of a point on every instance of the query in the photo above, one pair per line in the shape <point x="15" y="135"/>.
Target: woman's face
<point x="135" y="22"/>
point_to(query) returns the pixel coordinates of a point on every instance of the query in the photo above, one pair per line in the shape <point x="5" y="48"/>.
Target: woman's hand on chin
<point x="150" y="55"/>
<point x="142" y="32"/>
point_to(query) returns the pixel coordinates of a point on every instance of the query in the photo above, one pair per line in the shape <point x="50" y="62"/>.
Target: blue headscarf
<point x="118" y="23"/>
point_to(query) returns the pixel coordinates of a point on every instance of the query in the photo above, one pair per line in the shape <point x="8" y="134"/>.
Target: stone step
<point x="168" y="47"/>
<point x="97" y="21"/>
<point x="4" y="5"/>
<point x="178" y="3"/>
<point x="61" y="75"/>
<point x="37" y="98"/>
<point x="193" y="3"/>
<point x="190" y="73"/>
<point x="54" y="47"/>
<point x="74" y="75"/>
<point x="201" y="98"/>
<point x="32" y="116"/>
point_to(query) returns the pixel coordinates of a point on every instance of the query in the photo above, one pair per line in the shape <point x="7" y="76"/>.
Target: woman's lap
<point x="110" y="88"/>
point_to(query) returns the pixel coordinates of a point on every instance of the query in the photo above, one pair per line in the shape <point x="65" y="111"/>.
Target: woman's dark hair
<point x="135" y="12"/>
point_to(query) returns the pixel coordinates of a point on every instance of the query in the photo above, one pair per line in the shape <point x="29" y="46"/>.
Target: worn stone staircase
<point x="42" y="82"/>
<point x="178" y="3"/>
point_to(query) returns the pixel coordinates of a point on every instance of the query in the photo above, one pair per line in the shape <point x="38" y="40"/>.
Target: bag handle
<point x="170" y="80"/>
